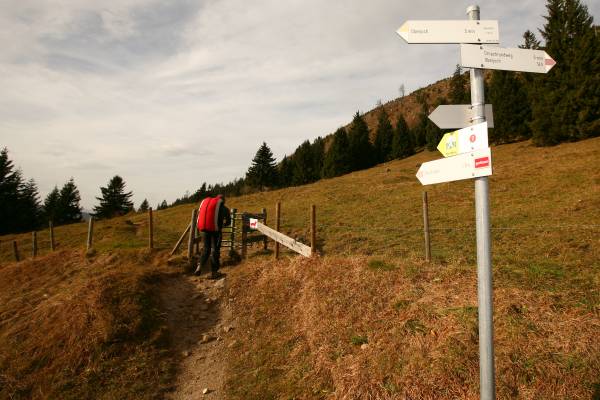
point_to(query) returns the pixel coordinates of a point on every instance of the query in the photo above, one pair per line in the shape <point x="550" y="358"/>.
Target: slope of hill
<point x="73" y="327"/>
<point x="369" y="317"/>
<point x="381" y="323"/>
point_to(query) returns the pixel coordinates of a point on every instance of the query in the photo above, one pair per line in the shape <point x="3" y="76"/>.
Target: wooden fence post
<point x="51" y="226"/>
<point x="192" y="237"/>
<point x="264" y="212"/>
<point x="16" y="251"/>
<point x="313" y="230"/>
<point x="34" y="244"/>
<point x="233" y="215"/>
<point x="426" y="227"/>
<point x="90" y="233"/>
<point x="277" y="226"/>
<point x="244" y="236"/>
<point x="151" y="229"/>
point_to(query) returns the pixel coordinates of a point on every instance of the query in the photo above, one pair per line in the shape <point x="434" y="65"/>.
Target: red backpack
<point x="208" y="217"/>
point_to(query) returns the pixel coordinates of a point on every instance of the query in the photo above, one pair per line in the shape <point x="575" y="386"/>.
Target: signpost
<point x="471" y="138"/>
<point x="450" y="31"/>
<point x="476" y="162"/>
<point x="489" y="57"/>
<point x="456" y="116"/>
<point x="463" y="166"/>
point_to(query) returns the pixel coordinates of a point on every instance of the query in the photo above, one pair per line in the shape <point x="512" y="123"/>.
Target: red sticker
<point x="472" y="138"/>
<point x="482" y="162"/>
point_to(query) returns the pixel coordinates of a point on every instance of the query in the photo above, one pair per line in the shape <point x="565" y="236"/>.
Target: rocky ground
<point x="200" y="319"/>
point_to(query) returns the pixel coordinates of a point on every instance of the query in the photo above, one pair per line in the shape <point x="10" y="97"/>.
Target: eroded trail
<point x="199" y="319"/>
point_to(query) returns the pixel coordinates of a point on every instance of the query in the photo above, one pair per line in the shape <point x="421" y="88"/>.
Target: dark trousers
<point x="212" y="246"/>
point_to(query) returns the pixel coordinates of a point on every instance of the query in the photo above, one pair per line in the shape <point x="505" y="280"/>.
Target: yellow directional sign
<point x="471" y="138"/>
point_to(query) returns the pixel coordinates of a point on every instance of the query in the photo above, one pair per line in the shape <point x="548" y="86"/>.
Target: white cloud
<point x="171" y="94"/>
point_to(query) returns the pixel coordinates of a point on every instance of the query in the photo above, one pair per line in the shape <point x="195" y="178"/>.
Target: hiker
<point x="212" y="217"/>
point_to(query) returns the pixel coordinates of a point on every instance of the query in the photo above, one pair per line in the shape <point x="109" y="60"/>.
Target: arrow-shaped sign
<point x="450" y="31"/>
<point x="463" y="166"/>
<point x="471" y="138"/>
<point x="456" y="116"/>
<point x="489" y="57"/>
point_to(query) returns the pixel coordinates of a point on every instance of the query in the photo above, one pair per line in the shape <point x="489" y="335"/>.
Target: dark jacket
<point x="224" y="216"/>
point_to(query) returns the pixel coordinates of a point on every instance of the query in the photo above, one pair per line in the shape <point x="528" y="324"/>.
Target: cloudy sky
<point x="169" y="94"/>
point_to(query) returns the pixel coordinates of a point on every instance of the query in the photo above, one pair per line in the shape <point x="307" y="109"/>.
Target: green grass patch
<point x="380" y="265"/>
<point x="414" y="326"/>
<point x="401" y="304"/>
<point x="358" y="340"/>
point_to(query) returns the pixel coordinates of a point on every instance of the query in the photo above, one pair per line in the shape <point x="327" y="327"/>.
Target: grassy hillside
<point x="372" y="320"/>
<point x="302" y="323"/>
<point x="73" y="327"/>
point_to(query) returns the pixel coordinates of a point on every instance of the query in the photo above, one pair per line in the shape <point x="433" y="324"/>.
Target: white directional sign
<point x="463" y="166"/>
<point x="471" y="138"/>
<point x="458" y="116"/>
<point x="489" y="57"/>
<point x="450" y="31"/>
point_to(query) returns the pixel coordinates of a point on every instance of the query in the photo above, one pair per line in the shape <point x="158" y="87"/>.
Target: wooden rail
<point x="287" y="241"/>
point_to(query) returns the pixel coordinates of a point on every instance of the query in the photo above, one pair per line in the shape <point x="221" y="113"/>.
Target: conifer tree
<point x="304" y="165"/>
<point x="50" y="207"/>
<point x="163" y="205"/>
<point x="10" y="183"/>
<point x="512" y="112"/>
<point x="384" y="136"/>
<point x="420" y="129"/>
<point x="318" y="155"/>
<point x="29" y="206"/>
<point x="403" y="143"/>
<point x="69" y="209"/>
<point x="433" y="135"/>
<point x="530" y="41"/>
<point x="262" y="173"/>
<point x="144" y="206"/>
<point x="362" y="152"/>
<point x="565" y="101"/>
<point x="114" y="201"/>
<point x="286" y="171"/>
<point x="337" y="158"/>
<point x="458" y="93"/>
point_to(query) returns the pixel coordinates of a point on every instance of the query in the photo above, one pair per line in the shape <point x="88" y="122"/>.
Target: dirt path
<point x="200" y="320"/>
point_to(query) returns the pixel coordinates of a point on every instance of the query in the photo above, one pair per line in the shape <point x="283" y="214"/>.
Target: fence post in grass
<point x="233" y="215"/>
<point x="244" y="236"/>
<point x="426" y="227"/>
<point x="277" y="226"/>
<point x="151" y="229"/>
<point x="51" y="226"/>
<point x="313" y="230"/>
<point x="192" y="237"/>
<point x="16" y="251"/>
<point x="34" y="244"/>
<point x="90" y="233"/>
<point x="264" y="212"/>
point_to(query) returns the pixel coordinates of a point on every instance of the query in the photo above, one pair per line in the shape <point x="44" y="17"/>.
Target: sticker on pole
<point x="253" y="223"/>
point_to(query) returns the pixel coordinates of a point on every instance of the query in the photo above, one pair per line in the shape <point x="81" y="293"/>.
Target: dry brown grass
<point x="73" y="327"/>
<point x="301" y="320"/>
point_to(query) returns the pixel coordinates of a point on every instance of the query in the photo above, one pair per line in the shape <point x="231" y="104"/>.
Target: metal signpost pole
<point x="484" y="254"/>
